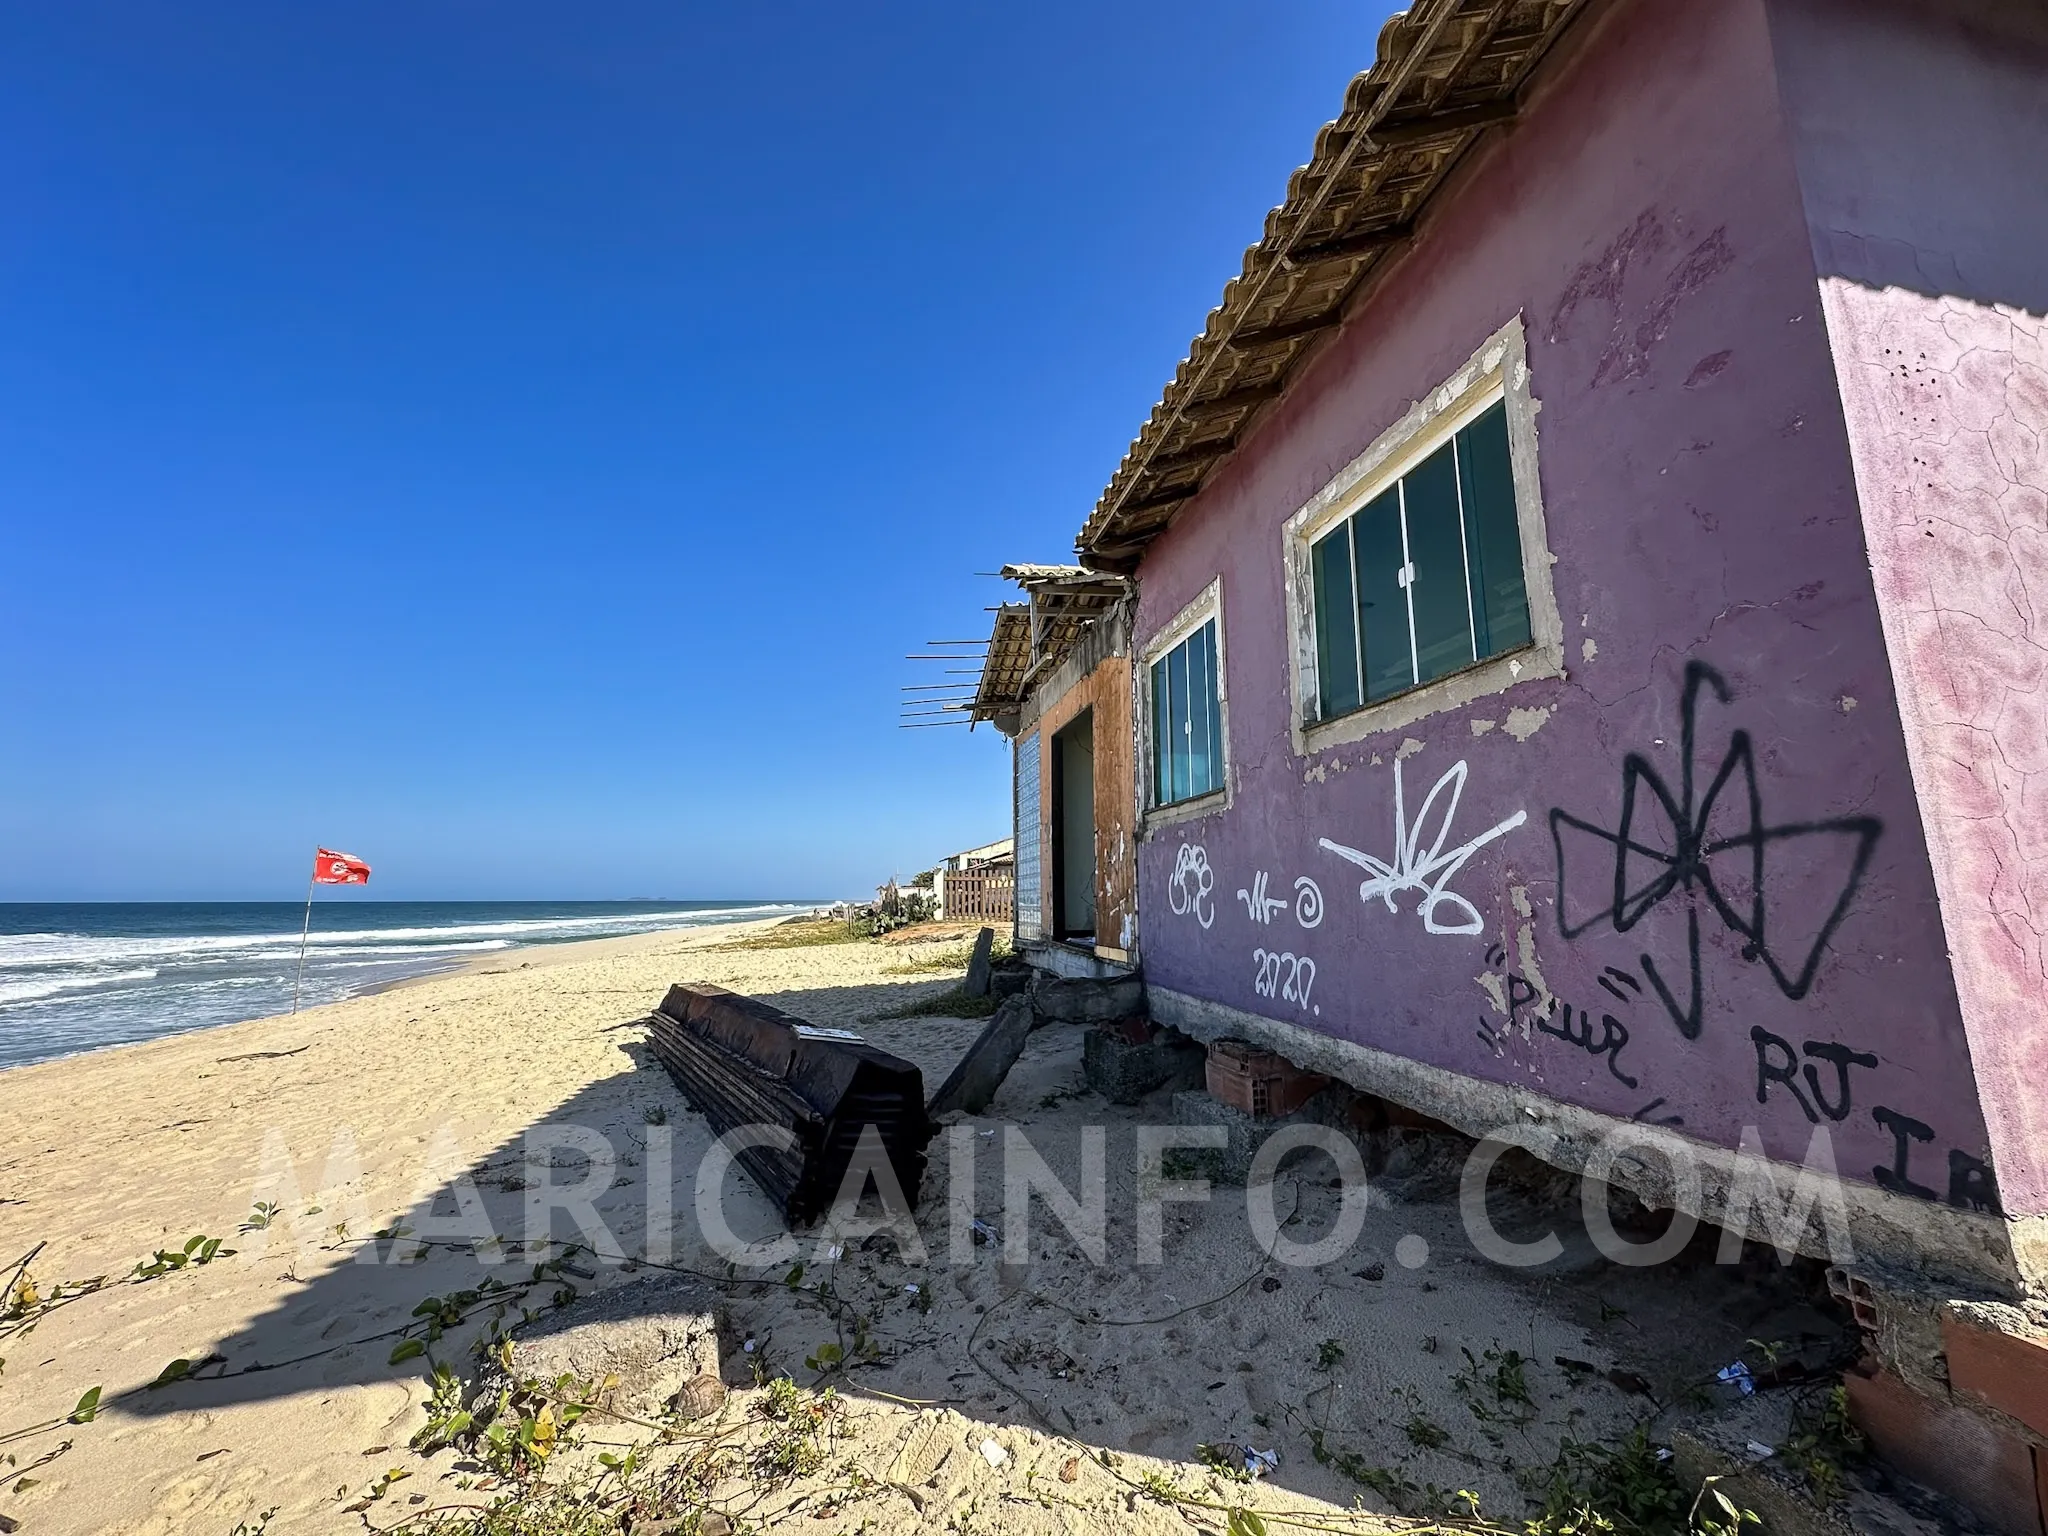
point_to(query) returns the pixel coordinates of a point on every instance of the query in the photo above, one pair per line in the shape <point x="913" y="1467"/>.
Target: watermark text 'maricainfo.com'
<point x="995" y="1187"/>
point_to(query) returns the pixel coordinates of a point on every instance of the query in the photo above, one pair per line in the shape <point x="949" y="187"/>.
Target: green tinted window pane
<point x="1199" y="684"/>
<point x="1336" y="625"/>
<point x="1162" y="738"/>
<point x="1215" y="705"/>
<point x="1176" y="668"/>
<point x="1436" y="547"/>
<point x="1208" y="713"/>
<point x="1382" y="603"/>
<point x="1493" y="540"/>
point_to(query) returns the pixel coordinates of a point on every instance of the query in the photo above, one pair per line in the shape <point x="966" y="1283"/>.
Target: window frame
<point x="1207" y="605"/>
<point x="1497" y="373"/>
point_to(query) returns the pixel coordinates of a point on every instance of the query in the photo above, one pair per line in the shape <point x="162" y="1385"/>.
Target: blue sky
<point x="518" y="443"/>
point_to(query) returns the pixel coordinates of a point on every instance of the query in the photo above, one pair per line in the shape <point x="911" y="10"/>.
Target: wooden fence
<point x="983" y="892"/>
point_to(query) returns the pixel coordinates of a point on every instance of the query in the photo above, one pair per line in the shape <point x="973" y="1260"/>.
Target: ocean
<point x="79" y="976"/>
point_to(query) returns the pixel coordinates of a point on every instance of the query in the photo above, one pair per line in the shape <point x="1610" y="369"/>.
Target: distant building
<point x="978" y="884"/>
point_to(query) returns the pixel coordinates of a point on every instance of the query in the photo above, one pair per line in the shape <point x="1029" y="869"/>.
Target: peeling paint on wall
<point x="1525" y="943"/>
<point x="1639" y="317"/>
<point x="1495" y="988"/>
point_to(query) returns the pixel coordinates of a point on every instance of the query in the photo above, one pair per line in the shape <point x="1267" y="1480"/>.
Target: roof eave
<point x="1447" y="73"/>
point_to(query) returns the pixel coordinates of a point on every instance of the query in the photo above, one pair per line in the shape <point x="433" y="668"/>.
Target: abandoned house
<point x="1057" y="680"/>
<point x="1564" y="652"/>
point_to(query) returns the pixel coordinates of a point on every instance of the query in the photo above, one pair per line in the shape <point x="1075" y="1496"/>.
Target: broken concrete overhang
<point x="1447" y="71"/>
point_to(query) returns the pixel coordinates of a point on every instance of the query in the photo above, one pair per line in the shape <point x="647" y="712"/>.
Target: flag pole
<point x="304" y="930"/>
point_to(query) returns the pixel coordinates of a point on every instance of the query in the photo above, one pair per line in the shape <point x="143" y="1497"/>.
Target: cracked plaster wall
<point x="1921" y="133"/>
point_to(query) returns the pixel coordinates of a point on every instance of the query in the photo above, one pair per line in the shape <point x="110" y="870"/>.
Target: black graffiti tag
<point x="1971" y="1184"/>
<point x="1613" y="1036"/>
<point x="1777" y="1062"/>
<point x="1648" y="868"/>
<point x="1561" y="1021"/>
<point x="1842" y="1058"/>
<point x="1905" y="1131"/>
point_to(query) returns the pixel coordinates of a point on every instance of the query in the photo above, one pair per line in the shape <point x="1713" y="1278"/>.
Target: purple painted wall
<point x="1645" y="219"/>
<point x="1921" y="136"/>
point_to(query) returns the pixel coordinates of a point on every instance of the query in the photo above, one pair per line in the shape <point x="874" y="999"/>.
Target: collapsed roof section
<point x="1447" y="71"/>
<point x="1031" y="637"/>
<point x="1008" y="660"/>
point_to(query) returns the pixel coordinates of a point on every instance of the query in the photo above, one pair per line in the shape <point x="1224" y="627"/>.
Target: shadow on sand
<point x="1334" y="1366"/>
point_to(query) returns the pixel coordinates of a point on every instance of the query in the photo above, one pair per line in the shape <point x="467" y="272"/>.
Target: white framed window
<point x="1182" y="711"/>
<point x="1419" y="577"/>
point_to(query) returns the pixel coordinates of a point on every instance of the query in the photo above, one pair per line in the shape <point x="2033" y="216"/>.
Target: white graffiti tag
<point x="1258" y="903"/>
<point x="1429" y="871"/>
<point x="1308" y="902"/>
<point x="1192" y="881"/>
<point x="1287" y="974"/>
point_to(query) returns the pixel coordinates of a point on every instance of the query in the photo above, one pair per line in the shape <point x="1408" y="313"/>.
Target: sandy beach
<point x="360" y="1116"/>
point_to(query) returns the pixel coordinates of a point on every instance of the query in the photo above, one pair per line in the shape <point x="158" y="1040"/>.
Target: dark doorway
<point x="1073" y="829"/>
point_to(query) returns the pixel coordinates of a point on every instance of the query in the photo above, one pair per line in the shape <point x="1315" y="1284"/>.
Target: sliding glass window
<point x="1424" y="579"/>
<point x="1187" y="720"/>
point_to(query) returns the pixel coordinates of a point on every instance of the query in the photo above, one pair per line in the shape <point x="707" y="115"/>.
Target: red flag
<point x="331" y="868"/>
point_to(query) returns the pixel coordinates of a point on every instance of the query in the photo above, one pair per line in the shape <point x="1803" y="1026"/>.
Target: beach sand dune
<point x="399" y="1108"/>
